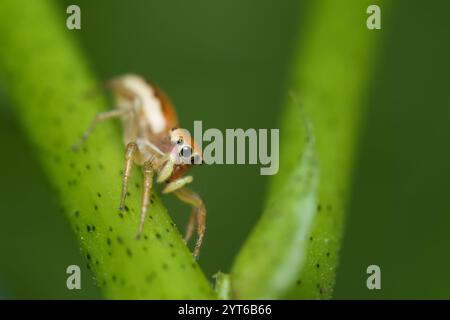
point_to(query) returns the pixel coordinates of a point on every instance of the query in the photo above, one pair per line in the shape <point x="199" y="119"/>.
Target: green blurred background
<point x="226" y="63"/>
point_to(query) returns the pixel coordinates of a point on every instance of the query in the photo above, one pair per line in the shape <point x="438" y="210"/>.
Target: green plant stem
<point x="293" y="250"/>
<point x="47" y="78"/>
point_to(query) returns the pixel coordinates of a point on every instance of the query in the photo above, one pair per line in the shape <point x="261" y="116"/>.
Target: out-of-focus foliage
<point x="293" y="251"/>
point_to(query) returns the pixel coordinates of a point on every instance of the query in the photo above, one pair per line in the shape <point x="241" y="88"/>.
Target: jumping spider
<point x="154" y="142"/>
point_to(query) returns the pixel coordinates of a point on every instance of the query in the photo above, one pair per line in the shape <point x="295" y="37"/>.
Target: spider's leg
<point x="102" y="116"/>
<point x="190" y="227"/>
<point x="201" y="227"/>
<point x="148" y="172"/>
<point x="188" y="196"/>
<point x="130" y="154"/>
<point x="173" y="187"/>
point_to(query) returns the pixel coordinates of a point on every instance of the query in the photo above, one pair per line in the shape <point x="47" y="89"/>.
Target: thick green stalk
<point x="293" y="250"/>
<point x="47" y="77"/>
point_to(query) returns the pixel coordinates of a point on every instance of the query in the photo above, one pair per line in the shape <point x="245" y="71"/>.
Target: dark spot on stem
<point x="99" y="194"/>
<point x="149" y="278"/>
<point x="129" y="253"/>
<point x="158" y="236"/>
<point x="119" y="239"/>
<point x="88" y="167"/>
<point x="108" y="241"/>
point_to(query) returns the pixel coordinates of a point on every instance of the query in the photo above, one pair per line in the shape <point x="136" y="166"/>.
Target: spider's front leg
<point x="130" y="154"/>
<point x="198" y="214"/>
<point x="174" y="186"/>
<point x="148" y="172"/>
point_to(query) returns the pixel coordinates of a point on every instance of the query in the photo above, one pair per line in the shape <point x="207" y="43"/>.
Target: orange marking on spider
<point x="154" y="142"/>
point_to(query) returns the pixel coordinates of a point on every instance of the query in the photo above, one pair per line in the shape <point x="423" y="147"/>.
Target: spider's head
<point x="184" y="153"/>
<point x="185" y="150"/>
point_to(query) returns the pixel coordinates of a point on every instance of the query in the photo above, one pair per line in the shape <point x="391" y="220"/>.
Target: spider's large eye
<point x="180" y="141"/>
<point x="186" y="151"/>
